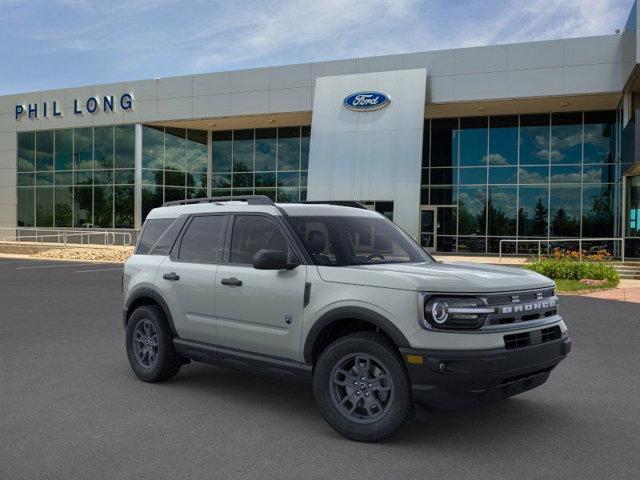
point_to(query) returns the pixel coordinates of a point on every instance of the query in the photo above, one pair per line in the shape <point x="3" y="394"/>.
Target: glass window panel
<point x="443" y="196"/>
<point x="501" y="210"/>
<point x="243" y="150"/>
<point x="197" y="152"/>
<point x="174" y="193"/>
<point x="266" y="179"/>
<point x="103" y="147"/>
<point x="26" y="179"/>
<point x="102" y="177"/>
<point x="176" y="179"/>
<point x="123" y="206"/>
<point x="288" y="148"/>
<point x="471" y="211"/>
<point x="152" y="177"/>
<point x="83" y="148"/>
<point x="564" y="211"/>
<point x="221" y="192"/>
<point x="599" y="140"/>
<point x="303" y="194"/>
<point x="196" y="192"/>
<point x="44" y="150"/>
<point x="221" y="181"/>
<point x="125" y="151"/>
<point x="221" y="151"/>
<point x="82" y="206"/>
<point x="203" y="241"/>
<point x="503" y="140"/>
<point x="197" y="179"/>
<point x="304" y="148"/>
<point x="251" y="234"/>
<point x="288" y="195"/>
<point x="26" y="202"/>
<point x="571" y="174"/>
<point x="473" y="176"/>
<point x="303" y="179"/>
<point x="605" y="173"/>
<point x="242" y="191"/>
<point x="153" y="147"/>
<point x="424" y="177"/>
<point x="424" y="196"/>
<point x="151" y="198"/>
<point x="44" y="207"/>
<point x="64" y="149"/>
<point x="83" y="177"/>
<point x="44" y="179"/>
<point x="444" y="149"/>
<point x="447" y="221"/>
<point x="123" y="176"/>
<point x="443" y="176"/>
<point x="597" y="211"/>
<point x="534" y="175"/>
<point x="103" y="207"/>
<point x="175" y="149"/>
<point x="269" y="192"/>
<point x="242" y="180"/>
<point x="472" y="244"/>
<point x="266" y="149"/>
<point x="502" y="175"/>
<point x="566" y="138"/>
<point x="288" y="179"/>
<point x="473" y="141"/>
<point x="26" y="151"/>
<point x="533" y="213"/>
<point x="426" y="143"/>
<point x="534" y="139"/>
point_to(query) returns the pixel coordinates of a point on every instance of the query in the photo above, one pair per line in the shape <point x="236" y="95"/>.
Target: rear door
<point x="186" y="278"/>
<point x="259" y="311"/>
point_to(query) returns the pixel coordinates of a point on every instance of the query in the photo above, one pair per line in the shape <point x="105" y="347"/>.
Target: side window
<point x="203" y="241"/>
<point x="168" y="238"/>
<point x="151" y="232"/>
<point x="252" y="233"/>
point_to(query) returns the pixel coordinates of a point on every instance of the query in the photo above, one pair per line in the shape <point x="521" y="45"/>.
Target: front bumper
<point x="453" y="379"/>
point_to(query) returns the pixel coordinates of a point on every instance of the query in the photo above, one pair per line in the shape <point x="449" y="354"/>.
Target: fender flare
<point x="148" y="292"/>
<point x="357" y="313"/>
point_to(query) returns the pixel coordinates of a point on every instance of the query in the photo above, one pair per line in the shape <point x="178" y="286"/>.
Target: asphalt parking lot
<point x="71" y="408"/>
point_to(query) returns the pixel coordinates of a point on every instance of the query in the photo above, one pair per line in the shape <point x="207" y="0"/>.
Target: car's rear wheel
<point x="362" y="388"/>
<point x="150" y="345"/>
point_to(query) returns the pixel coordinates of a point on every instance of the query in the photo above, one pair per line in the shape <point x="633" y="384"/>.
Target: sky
<point x="48" y="44"/>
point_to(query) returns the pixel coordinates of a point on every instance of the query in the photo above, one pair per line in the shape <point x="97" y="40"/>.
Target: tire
<point x="152" y="357"/>
<point x="384" y="403"/>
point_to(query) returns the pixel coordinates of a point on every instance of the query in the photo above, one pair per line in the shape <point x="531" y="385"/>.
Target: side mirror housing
<point x="272" y="260"/>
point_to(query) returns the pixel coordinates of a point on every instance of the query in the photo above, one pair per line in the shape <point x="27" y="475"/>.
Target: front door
<point x="259" y="311"/>
<point x="428" y="225"/>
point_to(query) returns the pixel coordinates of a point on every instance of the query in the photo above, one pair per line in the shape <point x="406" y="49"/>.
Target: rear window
<point x="151" y="232"/>
<point x="168" y="238"/>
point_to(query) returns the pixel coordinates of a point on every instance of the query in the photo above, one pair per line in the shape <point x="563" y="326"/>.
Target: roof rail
<point x="342" y="203"/>
<point x="250" y="199"/>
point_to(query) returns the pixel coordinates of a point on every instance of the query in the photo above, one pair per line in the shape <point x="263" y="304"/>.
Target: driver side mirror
<point x="272" y="260"/>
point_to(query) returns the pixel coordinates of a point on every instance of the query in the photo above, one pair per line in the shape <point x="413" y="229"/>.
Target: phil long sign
<point x="366" y="101"/>
<point x="91" y="105"/>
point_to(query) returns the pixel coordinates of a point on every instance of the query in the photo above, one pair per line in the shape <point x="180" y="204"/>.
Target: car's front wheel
<point x="150" y="345"/>
<point x="362" y="387"/>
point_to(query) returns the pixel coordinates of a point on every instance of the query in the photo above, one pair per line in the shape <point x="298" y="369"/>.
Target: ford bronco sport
<point x="339" y="296"/>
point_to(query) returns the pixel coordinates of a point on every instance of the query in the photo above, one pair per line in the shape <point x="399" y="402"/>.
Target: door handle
<point x="171" y="276"/>
<point x="232" y="282"/>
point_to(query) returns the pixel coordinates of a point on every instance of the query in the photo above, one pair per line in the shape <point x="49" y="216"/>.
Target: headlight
<point x="455" y="313"/>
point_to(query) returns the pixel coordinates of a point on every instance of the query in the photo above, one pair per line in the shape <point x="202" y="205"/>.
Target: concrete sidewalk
<point x="627" y="291"/>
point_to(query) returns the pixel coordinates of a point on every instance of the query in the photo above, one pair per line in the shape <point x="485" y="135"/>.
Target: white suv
<point x="339" y="296"/>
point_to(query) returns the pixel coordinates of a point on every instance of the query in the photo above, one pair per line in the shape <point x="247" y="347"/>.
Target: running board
<point x="241" y="360"/>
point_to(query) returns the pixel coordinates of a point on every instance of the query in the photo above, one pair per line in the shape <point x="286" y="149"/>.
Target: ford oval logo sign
<point x="366" y="101"/>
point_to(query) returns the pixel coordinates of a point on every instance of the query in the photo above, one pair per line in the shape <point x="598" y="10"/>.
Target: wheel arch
<point x="328" y="321"/>
<point x="148" y="296"/>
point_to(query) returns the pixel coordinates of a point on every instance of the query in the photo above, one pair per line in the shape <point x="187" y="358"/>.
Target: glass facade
<point x="265" y="161"/>
<point x="538" y="176"/>
<point x="77" y="177"/>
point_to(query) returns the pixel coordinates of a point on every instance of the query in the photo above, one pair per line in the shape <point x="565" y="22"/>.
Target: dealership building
<point x="462" y="148"/>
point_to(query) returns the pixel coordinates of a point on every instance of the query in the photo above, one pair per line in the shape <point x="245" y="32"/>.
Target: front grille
<point x="535" y="337"/>
<point x="522" y="306"/>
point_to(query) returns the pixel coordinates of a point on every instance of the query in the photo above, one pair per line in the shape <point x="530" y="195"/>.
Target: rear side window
<point x="168" y="238"/>
<point x="151" y="232"/>
<point x="203" y="240"/>
<point x="252" y="233"/>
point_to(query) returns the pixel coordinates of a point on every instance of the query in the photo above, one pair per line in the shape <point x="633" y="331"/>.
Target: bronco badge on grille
<point x="528" y="307"/>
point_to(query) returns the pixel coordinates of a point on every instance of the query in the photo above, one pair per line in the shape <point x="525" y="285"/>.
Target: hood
<point x="441" y="277"/>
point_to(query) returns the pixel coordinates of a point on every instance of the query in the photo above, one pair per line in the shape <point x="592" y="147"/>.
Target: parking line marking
<point x="53" y="266"/>
<point x="97" y="270"/>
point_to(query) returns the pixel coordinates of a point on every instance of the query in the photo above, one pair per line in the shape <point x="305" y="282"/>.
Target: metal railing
<point x="82" y="238"/>
<point x="549" y="242"/>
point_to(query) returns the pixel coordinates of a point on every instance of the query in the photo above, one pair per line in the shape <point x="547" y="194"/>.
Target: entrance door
<point x="428" y="223"/>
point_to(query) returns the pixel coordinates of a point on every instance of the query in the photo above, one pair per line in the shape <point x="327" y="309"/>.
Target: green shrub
<point x="572" y="270"/>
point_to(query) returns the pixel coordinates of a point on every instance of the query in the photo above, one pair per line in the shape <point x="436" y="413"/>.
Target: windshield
<point x="343" y="241"/>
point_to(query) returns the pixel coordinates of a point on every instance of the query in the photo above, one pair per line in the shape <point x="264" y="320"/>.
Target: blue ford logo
<point x="366" y="101"/>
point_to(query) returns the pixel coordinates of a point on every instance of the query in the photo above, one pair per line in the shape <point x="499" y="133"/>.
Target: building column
<point x="209" y="161"/>
<point x="137" y="189"/>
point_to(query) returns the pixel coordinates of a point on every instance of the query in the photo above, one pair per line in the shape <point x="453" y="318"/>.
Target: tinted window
<point x="203" y="241"/>
<point x="151" y="233"/>
<point x="252" y="233"/>
<point x="168" y="238"/>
